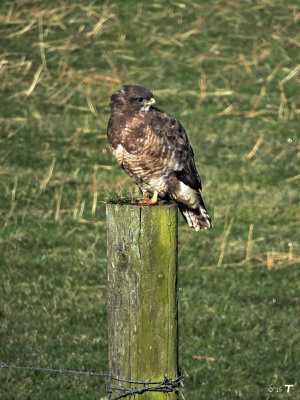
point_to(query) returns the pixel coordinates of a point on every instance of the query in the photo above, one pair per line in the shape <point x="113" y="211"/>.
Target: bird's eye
<point x="140" y="99"/>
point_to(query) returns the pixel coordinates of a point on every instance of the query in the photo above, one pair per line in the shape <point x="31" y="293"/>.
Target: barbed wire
<point x="63" y="371"/>
<point x="114" y="392"/>
<point x="164" y="386"/>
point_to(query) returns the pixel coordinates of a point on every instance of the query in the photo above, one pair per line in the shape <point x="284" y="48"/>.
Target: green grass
<point x="228" y="72"/>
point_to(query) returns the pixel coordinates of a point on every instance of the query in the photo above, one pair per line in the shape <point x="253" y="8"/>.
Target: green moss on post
<point x="142" y="293"/>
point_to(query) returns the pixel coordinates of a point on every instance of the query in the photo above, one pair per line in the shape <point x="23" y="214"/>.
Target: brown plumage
<point x="153" y="148"/>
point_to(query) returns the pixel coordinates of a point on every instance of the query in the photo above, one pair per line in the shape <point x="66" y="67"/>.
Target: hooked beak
<point x="151" y="102"/>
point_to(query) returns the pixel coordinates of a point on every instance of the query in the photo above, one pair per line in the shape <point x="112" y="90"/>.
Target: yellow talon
<point x="150" y="201"/>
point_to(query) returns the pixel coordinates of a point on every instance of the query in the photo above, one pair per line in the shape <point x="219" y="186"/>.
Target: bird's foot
<point x="147" y="201"/>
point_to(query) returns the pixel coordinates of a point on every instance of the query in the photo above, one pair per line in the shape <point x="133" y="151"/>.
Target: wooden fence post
<point x="142" y="294"/>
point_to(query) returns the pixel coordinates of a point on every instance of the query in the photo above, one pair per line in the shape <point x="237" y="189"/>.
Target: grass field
<point x="229" y="71"/>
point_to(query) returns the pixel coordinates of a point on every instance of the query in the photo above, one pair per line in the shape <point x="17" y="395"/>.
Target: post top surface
<point x="163" y="206"/>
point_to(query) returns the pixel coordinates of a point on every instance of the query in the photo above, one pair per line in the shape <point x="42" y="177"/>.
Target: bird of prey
<point x="153" y="148"/>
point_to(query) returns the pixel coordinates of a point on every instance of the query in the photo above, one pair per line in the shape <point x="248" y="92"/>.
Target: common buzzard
<point x="153" y="148"/>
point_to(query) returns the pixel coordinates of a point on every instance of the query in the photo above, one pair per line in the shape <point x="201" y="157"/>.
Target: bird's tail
<point x="197" y="218"/>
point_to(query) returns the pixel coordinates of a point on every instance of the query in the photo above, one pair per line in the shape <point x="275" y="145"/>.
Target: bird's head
<point x="132" y="98"/>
